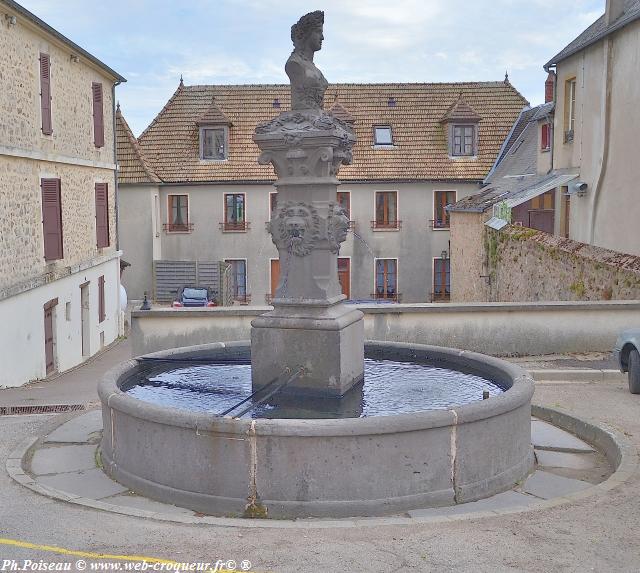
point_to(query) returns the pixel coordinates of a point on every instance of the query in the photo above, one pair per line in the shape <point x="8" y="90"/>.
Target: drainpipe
<point x="608" y="47"/>
<point x="115" y="159"/>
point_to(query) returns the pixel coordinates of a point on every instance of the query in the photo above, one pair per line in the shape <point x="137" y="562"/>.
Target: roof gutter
<point x="115" y="158"/>
<point x="60" y="37"/>
<point x="608" y="46"/>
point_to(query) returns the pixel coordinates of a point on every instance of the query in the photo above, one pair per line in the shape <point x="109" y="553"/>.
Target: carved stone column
<point x="310" y="326"/>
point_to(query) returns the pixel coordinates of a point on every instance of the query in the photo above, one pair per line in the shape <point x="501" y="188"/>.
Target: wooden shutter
<point x="102" y="215"/>
<point x="52" y="219"/>
<point x="545" y="137"/>
<point x="101" y="311"/>
<point x="98" y="116"/>
<point x="45" y="93"/>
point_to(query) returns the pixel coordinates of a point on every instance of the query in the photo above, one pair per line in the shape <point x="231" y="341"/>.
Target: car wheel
<point x="634" y="372"/>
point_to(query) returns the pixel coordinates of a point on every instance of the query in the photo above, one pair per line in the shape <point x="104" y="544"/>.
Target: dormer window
<point x="214" y="134"/>
<point x="213" y="143"/>
<point x="461" y="124"/>
<point x="463" y="140"/>
<point x="382" y="135"/>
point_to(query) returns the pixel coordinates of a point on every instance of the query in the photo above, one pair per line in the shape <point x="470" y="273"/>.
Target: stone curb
<point x="577" y="375"/>
<point x="615" y="446"/>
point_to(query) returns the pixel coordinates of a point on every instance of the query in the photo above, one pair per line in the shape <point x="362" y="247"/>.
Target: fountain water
<point x="310" y="434"/>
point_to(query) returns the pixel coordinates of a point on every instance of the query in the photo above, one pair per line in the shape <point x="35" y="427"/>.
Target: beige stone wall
<point x="27" y="156"/>
<point x="604" y="150"/>
<point x="21" y="239"/>
<point x="529" y="265"/>
<point x="468" y="271"/>
<point x="72" y="115"/>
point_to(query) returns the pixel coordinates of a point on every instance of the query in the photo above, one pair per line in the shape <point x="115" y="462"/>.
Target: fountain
<point x="307" y="419"/>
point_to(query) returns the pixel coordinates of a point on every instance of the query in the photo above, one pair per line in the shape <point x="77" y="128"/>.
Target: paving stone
<point x="505" y="500"/>
<point x="544" y="435"/>
<point x="78" y="429"/>
<point x="547" y="485"/>
<point x="550" y="459"/>
<point x="92" y="484"/>
<point x="139" y="502"/>
<point x="55" y="460"/>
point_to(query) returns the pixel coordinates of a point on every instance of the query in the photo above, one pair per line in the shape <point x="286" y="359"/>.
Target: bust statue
<point x="307" y="82"/>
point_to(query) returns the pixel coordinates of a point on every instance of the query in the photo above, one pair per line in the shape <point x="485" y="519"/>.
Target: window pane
<point x="213" y="144"/>
<point x="344" y="200"/>
<point x="238" y="278"/>
<point x="234" y="208"/>
<point x="380" y="208"/>
<point x="178" y="209"/>
<point x="392" y="207"/>
<point x="382" y="135"/>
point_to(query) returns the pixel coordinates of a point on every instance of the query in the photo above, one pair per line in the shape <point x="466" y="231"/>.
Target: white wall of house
<point x="605" y="140"/>
<point x="22" y="346"/>
<point x="414" y="245"/>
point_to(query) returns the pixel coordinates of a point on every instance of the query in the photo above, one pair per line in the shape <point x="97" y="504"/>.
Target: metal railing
<point x="386" y="225"/>
<point x="177" y="227"/>
<point x="395" y="296"/>
<point x="229" y="227"/>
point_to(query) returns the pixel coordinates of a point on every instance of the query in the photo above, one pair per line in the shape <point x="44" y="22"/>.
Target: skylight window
<point x="382" y="135"/>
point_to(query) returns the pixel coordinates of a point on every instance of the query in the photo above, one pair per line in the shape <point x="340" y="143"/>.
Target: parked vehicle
<point x="191" y="296"/>
<point x="627" y="354"/>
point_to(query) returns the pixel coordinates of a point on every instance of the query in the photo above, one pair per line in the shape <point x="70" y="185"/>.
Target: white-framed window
<point x="235" y="212"/>
<point x="440" y="214"/>
<point x="238" y="279"/>
<point x="386" y="211"/>
<point x="463" y="140"/>
<point x="214" y="143"/>
<point x="569" y="109"/>
<point x="343" y="199"/>
<point x="441" y="279"/>
<point x="382" y="135"/>
<point x="178" y="214"/>
<point x="386" y="279"/>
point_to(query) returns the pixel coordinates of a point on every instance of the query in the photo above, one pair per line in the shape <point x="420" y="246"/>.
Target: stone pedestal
<point x="310" y="326"/>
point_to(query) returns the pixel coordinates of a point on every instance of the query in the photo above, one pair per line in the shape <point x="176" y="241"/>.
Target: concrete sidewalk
<point x="76" y="386"/>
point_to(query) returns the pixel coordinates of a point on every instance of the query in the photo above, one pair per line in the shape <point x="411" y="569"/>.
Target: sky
<point x="152" y="42"/>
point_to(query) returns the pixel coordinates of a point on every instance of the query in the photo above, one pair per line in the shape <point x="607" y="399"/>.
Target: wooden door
<point x="49" y="337"/>
<point x="275" y="276"/>
<point x="344" y="275"/>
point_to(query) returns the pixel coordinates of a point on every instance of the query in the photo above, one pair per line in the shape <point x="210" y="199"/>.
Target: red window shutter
<point x="98" y="116"/>
<point x="101" y="311"/>
<point x="545" y="136"/>
<point x="52" y="219"/>
<point x="102" y="215"/>
<point x="45" y="93"/>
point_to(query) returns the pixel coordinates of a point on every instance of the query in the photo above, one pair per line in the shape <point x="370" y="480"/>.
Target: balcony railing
<point x="386" y="225"/>
<point x="268" y="298"/>
<point x="234" y="227"/>
<point x="177" y="227"/>
<point x="438" y="224"/>
<point x="440" y="297"/>
<point x="394" y="296"/>
<point x="242" y="298"/>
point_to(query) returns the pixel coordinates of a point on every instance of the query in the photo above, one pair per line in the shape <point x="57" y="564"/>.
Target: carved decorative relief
<point x="337" y="227"/>
<point x="295" y="228"/>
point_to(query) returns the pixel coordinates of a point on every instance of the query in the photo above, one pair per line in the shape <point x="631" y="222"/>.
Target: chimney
<point x="613" y="11"/>
<point x="549" y="86"/>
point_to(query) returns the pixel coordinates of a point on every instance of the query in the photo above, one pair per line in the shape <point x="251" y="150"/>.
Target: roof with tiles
<point x="420" y="152"/>
<point x="132" y="166"/>
<point x="213" y="116"/>
<point x="460" y="110"/>
<point x="598" y="30"/>
<point x="516" y="171"/>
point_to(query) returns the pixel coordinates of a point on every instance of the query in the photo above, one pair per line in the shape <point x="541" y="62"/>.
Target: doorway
<point x="85" y="320"/>
<point x="50" y="336"/>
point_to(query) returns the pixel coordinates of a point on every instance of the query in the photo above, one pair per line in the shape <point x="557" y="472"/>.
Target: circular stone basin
<point x="279" y="461"/>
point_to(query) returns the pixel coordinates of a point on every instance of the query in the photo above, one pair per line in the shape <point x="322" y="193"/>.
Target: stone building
<point x="59" y="261"/>
<point x="596" y="125"/>
<point x="191" y="187"/>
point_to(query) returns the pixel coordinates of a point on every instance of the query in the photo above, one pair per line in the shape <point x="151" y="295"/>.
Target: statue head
<point x="308" y="31"/>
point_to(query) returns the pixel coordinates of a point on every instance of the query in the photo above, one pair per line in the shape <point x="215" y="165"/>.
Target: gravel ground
<point x="596" y="534"/>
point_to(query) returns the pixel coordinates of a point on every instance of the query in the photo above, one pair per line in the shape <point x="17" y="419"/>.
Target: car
<point x="192" y="296"/>
<point x="627" y="354"/>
